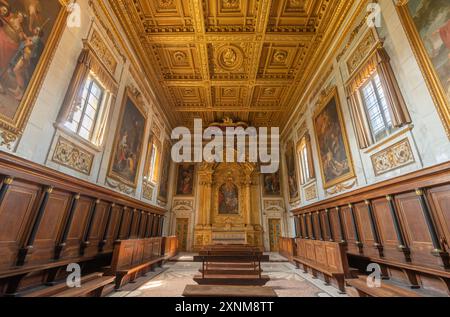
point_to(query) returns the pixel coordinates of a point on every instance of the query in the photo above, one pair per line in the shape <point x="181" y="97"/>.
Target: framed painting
<point x="427" y="25"/>
<point x="164" y="179"/>
<point x="332" y="144"/>
<point x="185" y="180"/>
<point x="228" y="200"/>
<point x="29" y="33"/>
<point x="128" y="142"/>
<point x="271" y="184"/>
<point x="291" y="169"/>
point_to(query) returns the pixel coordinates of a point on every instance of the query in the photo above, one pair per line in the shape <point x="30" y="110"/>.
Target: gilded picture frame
<point x="292" y="180"/>
<point x="163" y="186"/>
<point x="427" y="68"/>
<point x="128" y="96"/>
<point x="324" y="103"/>
<point x="14" y="126"/>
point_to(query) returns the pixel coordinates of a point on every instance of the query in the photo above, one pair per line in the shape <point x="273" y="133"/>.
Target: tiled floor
<point x="171" y="280"/>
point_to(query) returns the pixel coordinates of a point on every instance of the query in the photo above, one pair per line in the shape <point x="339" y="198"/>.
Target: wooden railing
<point x="403" y="224"/>
<point x="287" y="247"/>
<point x="48" y="218"/>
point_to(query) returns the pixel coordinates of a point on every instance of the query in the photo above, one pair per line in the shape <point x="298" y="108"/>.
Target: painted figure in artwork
<point x="25" y="28"/>
<point x="272" y="184"/>
<point x="185" y="180"/>
<point x="432" y="19"/>
<point x="228" y="199"/>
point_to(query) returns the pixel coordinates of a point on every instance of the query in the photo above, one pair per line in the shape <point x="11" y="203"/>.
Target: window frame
<point x="388" y="127"/>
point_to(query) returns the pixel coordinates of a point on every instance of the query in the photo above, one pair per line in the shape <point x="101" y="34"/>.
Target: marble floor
<point x="171" y="279"/>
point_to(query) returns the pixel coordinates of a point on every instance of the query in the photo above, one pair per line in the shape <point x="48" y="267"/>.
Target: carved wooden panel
<point x="440" y="199"/>
<point x="77" y="228"/>
<point x="365" y="229"/>
<point x="15" y="213"/>
<point x="385" y="224"/>
<point x="415" y="227"/>
<point x="50" y="227"/>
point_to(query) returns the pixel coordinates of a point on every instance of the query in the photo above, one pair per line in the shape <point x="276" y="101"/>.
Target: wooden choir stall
<point x="400" y="225"/>
<point x="49" y="221"/>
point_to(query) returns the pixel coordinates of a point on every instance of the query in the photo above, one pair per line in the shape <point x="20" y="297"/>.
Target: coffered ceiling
<point x="243" y="59"/>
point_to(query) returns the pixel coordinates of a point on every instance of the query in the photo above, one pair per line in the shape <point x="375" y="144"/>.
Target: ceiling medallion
<point x="229" y="92"/>
<point x="165" y="3"/>
<point x="230" y="4"/>
<point x="269" y="92"/>
<point x="230" y="58"/>
<point x="280" y="56"/>
<point x="180" y="56"/>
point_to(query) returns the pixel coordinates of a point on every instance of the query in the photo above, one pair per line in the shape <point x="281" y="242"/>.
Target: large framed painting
<point x="271" y="184"/>
<point x="228" y="200"/>
<point x="332" y="144"/>
<point x="291" y="169"/>
<point x="164" y="178"/>
<point x="128" y="143"/>
<point x="185" y="180"/>
<point x="427" y="24"/>
<point x="29" y="33"/>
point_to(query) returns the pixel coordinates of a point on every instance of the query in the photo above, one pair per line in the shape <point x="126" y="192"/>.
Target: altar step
<point x="264" y="258"/>
<point x="231" y="279"/>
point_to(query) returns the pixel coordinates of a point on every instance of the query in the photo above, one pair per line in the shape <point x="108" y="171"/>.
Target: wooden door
<point x="182" y="233"/>
<point x="274" y="234"/>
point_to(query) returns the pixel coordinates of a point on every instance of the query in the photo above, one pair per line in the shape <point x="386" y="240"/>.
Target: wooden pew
<point x="386" y="289"/>
<point x="287" y="247"/>
<point x="325" y="257"/>
<point x="170" y="247"/>
<point x="92" y="285"/>
<point x="231" y="265"/>
<point x="400" y="223"/>
<point x="49" y="219"/>
<point x="133" y="258"/>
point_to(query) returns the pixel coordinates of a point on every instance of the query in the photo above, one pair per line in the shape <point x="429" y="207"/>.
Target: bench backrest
<point x="330" y="255"/>
<point x="134" y="252"/>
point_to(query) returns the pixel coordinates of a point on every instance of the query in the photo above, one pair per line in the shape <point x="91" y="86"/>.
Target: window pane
<point x="84" y="133"/>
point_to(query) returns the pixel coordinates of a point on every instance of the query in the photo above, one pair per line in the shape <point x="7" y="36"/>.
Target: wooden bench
<point x="92" y="285"/>
<point x="325" y="257"/>
<point x="228" y="291"/>
<point x="231" y="266"/>
<point x="386" y="290"/>
<point x="50" y="271"/>
<point x="133" y="258"/>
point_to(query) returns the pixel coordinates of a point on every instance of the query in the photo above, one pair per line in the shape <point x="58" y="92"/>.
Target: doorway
<point x="182" y="225"/>
<point x="274" y="234"/>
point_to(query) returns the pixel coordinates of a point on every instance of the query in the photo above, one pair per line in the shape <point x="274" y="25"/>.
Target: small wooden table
<point x="228" y="291"/>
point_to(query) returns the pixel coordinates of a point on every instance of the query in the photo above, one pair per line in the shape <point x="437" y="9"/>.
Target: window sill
<point x="389" y="138"/>
<point x="76" y="137"/>
<point x="308" y="183"/>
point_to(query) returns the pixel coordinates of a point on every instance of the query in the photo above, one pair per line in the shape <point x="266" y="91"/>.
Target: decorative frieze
<point x="102" y="51"/>
<point x="341" y="188"/>
<point x="395" y="156"/>
<point x="147" y="190"/>
<point x="311" y="192"/>
<point x="72" y="156"/>
<point x="361" y="52"/>
<point x="120" y="187"/>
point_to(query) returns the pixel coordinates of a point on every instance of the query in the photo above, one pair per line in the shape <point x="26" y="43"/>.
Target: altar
<point x="229" y="208"/>
<point x="229" y="237"/>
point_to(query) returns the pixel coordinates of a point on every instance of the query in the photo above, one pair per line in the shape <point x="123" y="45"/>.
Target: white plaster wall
<point x="40" y="135"/>
<point x="429" y="143"/>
